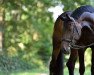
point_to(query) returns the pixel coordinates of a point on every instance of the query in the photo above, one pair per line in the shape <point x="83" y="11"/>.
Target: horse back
<point x="80" y="10"/>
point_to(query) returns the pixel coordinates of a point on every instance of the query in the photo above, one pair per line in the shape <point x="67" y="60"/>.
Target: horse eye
<point x="70" y="23"/>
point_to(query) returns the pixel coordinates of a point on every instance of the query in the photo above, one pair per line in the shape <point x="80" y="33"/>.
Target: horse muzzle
<point x="66" y="50"/>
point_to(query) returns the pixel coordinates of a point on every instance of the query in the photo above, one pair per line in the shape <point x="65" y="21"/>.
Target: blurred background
<point x="26" y="28"/>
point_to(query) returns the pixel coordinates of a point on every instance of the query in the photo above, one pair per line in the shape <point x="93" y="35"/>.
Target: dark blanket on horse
<point x="80" y="10"/>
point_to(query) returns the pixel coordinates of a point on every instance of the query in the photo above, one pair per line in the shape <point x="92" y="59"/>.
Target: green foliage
<point x="27" y="34"/>
<point x="14" y="63"/>
<point x="75" y="3"/>
<point x="28" y="31"/>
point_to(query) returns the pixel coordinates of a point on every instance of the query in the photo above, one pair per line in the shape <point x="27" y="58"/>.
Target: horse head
<point x="72" y="29"/>
<point x="71" y="32"/>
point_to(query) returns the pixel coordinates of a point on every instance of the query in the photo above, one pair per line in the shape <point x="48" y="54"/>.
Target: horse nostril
<point x="66" y="51"/>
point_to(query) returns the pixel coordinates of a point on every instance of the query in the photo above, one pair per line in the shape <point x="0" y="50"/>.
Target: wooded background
<point x="26" y="28"/>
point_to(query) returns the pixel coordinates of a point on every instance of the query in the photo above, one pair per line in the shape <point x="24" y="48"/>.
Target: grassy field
<point x="76" y="72"/>
<point x="87" y="72"/>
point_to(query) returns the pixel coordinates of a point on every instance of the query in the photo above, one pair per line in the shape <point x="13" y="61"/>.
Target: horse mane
<point x="80" y="10"/>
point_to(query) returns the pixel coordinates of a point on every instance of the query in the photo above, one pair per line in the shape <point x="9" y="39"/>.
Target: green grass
<point x="28" y="72"/>
<point x="76" y="71"/>
<point x="37" y="72"/>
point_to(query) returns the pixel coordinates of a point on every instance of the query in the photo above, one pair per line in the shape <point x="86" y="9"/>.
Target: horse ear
<point x="69" y="18"/>
<point x="63" y="18"/>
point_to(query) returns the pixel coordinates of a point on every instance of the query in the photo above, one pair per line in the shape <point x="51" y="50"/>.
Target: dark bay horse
<point x="56" y="64"/>
<point x="73" y="32"/>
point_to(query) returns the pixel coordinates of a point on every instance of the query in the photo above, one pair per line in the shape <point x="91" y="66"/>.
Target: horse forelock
<point x="80" y="10"/>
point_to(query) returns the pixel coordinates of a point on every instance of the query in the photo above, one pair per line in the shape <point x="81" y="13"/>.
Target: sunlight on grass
<point x="87" y="72"/>
<point x="28" y="73"/>
<point x="76" y="71"/>
<point x="23" y="73"/>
